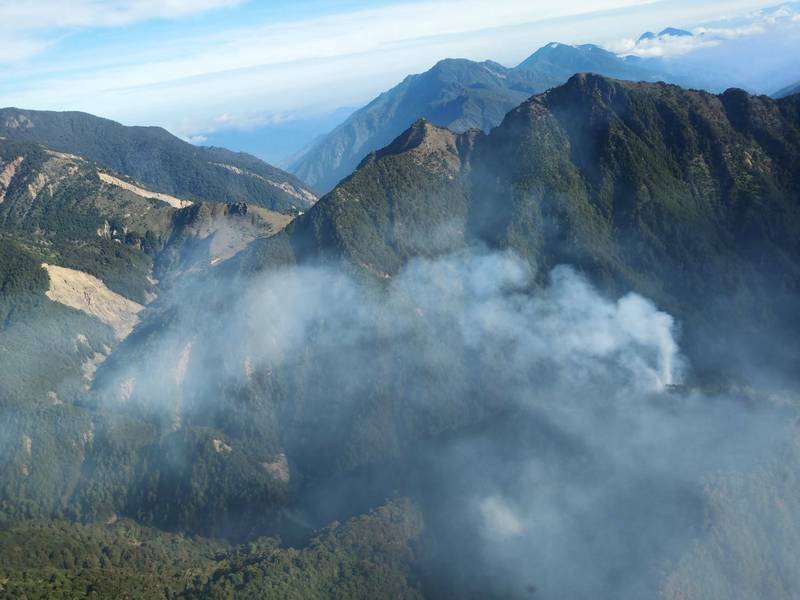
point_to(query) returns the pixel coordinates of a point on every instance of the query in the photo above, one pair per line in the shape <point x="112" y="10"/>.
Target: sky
<point x="200" y="67"/>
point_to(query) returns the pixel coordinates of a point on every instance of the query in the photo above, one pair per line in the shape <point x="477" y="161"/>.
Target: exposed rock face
<point x="305" y="197"/>
<point x="88" y="294"/>
<point x="159" y="160"/>
<point x="221" y="447"/>
<point x="278" y="468"/>
<point x="7" y="172"/>
<point x="171" y="200"/>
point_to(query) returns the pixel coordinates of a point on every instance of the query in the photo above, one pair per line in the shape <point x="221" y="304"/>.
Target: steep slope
<point x="83" y="251"/>
<point x="155" y="157"/>
<point x="787" y="91"/>
<point x="85" y="254"/>
<point x="687" y="197"/>
<point x="554" y="63"/>
<point x="681" y="195"/>
<point x="458" y="94"/>
<point x="404" y="337"/>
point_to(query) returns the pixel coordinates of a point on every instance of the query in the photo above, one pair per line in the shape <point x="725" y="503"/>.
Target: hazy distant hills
<point x="456" y="93"/>
<point x="787" y="91"/>
<point x="157" y="158"/>
<point x="649" y="35"/>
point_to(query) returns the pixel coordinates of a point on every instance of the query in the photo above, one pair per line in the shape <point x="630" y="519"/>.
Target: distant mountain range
<point x="157" y="158"/>
<point x="462" y="94"/>
<point x="649" y="35"/>
<point x="787" y="91"/>
<point x="456" y="93"/>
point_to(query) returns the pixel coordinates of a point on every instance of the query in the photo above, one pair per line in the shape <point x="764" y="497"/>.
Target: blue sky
<point x="203" y="66"/>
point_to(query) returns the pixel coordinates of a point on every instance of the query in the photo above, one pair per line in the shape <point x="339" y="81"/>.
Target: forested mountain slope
<point x="415" y="334"/>
<point x="157" y="158"/>
<point x="677" y="194"/>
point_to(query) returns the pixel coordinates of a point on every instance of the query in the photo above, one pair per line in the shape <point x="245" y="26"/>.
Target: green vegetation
<point x="458" y="94"/>
<point x="368" y="557"/>
<point x="156" y="158"/>
<point x="679" y="195"/>
<point x="41" y="354"/>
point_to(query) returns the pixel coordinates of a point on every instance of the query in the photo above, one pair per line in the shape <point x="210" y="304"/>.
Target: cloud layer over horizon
<point x="184" y="64"/>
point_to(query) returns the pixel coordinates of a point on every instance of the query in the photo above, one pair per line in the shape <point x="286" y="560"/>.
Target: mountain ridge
<point x="579" y="122"/>
<point x="154" y="156"/>
<point x="456" y="93"/>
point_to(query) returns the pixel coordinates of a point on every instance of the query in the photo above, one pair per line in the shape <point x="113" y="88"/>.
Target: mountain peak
<point x="675" y="32"/>
<point x="565" y="60"/>
<point x="584" y="83"/>
<point x="424" y="140"/>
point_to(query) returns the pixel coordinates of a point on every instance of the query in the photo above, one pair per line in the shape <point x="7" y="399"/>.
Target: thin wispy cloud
<point x="254" y="60"/>
<point x="29" y="28"/>
<point x="782" y="18"/>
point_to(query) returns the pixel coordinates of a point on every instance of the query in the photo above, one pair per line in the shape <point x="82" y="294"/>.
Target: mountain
<point x="159" y="159"/>
<point x="554" y="63"/>
<point x="306" y="380"/>
<point x="455" y="93"/>
<point x="684" y="196"/>
<point x="650" y="187"/>
<point x="675" y="32"/>
<point x="84" y="249"/>
<point x="787" y="91"/>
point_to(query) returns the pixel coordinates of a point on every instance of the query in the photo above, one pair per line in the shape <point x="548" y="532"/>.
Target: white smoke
<point x="596" y="480"/>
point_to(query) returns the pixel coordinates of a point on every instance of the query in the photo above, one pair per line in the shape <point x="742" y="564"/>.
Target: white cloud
<point x="755" y="23"/>
<point x="15" y="47"/>
<point x="197" y="139"/>
<point x="261" y="68"/>
<point x="28" y="28"/>
<point x="57" y="14"/>
<point x="333" y="60"/>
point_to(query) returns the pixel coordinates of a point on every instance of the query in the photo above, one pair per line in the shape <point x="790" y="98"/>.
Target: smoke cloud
<point x="543" y="428"/>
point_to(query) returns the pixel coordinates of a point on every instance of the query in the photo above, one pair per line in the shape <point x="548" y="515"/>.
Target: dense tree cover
<point x="23" y="281"/>
<point x="366" y="557"/>
<point x="157" y="158"/>
<point x="673" y="193"/>
<point x="67" y="461"/>
<point x="123" y="268"/>
<point x="40" y="352"/>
